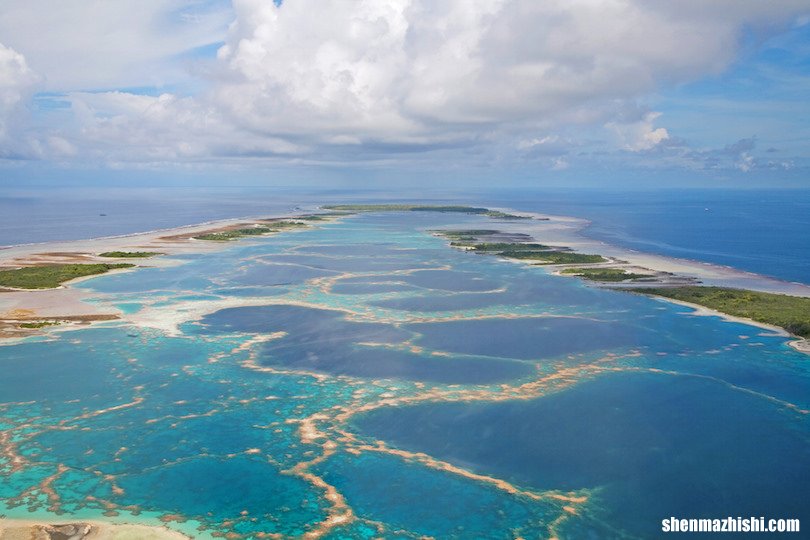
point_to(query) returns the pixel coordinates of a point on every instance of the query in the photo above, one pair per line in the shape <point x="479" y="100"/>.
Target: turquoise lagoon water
<point x="363" y="380"/>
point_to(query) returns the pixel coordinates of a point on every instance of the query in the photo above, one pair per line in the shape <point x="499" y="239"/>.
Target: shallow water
<point x="362" y="379"/>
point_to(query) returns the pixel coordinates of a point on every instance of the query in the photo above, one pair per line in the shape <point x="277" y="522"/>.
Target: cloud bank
<point x="16" y="86"/>
<point x="342" y="81"/>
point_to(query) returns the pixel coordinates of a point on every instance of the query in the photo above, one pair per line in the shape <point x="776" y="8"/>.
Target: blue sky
<point x="605" y="93"/>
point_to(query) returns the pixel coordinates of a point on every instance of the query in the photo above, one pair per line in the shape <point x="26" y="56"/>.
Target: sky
<point x="387" y="93"/>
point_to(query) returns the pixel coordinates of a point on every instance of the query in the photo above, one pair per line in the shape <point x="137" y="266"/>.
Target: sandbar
<point x="18" y="529"/>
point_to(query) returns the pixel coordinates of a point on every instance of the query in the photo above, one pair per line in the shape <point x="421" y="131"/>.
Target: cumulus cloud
<point x="641" y="134"/>
<point x="738" y="155"/>
<point x="162" y="128"/>
<point x="17" y="82"/>
<point x="415" y="70"/>
<point x="353" y="79"/>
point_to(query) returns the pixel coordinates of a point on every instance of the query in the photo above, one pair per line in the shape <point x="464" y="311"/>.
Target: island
<point x="495" y="214"/>
<point x="606" y="274"/>
<point x="53" y="275"/>
<point x="518" y="247"/>
<point x="256" y="229"/>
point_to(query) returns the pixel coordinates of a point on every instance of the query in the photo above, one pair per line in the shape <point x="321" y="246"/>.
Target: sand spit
<point x="13" y="529"/>
<point x="801" y="345"/>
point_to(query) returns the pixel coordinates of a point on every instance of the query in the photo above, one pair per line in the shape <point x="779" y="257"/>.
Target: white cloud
<point x="559" y="164"/>
<point x="16" y="85"/>
<point x="458" y="72"/>
<point x="549" y="141"/>
<point x="83" y="45"/>
<point x="125" y="127"/>
<point x="351" y="79"/>
<point x="746" y="162"/>
<point x="641" y="134"/>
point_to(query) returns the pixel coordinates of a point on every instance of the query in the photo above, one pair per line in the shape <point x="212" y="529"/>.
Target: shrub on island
<point x="52" y="275"/>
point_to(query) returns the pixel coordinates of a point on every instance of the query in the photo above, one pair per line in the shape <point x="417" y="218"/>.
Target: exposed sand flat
<point x="62" y="304"/>
<point x="801" y="345"/>
<point x="168" y="321"/>
<point x="14" y="529"/>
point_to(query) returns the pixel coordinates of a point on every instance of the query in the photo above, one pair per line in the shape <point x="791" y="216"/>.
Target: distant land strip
<point x="497" y="214"/>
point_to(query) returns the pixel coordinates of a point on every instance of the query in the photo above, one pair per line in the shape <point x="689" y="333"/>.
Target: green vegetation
<point x="503" y="246"/>
<point x="129" y="254"/>
<point x="469" y="235"/>
<point x="406" y="208"/>
<point x="225" y="236"/>
<point x="529" y="251"/>
<point x="466" y="232"/>
<point x="422" y="208"/>
<point x="50" y="276"/>
<point x="257" y="230"/>
<point x="38" y="324"/>
<point x="790" y="312"/>
<point x="604" y="274"/>
<point x="553" y="257"/>
<point x="496" y="214"/>
<point x="285" y="224"/>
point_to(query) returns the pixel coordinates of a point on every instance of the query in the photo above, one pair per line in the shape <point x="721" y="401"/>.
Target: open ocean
<point x="760" y="231"/>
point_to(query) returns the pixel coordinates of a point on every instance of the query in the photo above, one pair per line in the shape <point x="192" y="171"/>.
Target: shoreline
<point x="703" y="311"/>
<point x="84" y="529"/>
<point x="126" y="235"/>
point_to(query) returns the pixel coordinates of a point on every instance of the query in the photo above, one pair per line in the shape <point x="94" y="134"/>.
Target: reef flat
<point x="358" y="378"/>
